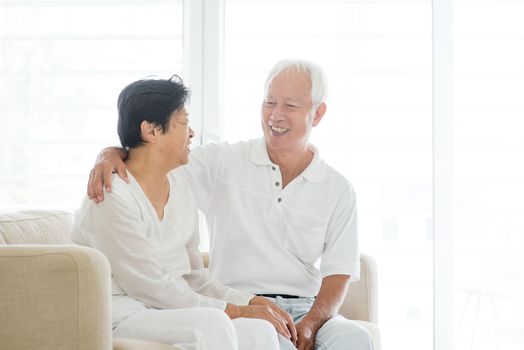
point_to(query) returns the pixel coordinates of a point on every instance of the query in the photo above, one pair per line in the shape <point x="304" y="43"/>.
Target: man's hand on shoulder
<point x="108" y="161"/>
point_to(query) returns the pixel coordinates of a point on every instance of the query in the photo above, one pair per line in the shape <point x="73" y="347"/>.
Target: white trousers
<point x="199" y="329"/>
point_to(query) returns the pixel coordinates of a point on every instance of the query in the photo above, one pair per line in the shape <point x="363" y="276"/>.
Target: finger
<point x="122" y="173"/>
<point x="301" y="344"/>
<point x="285" y="324"/>
<point x="97" y="184"/>
<point x="291" y="326"/>
<point x="107" y="177"/>
<point x="280" y="318"/>
<point x="280" y="325"/>
<point x="92" y="187"/>
<point x="282" y="329"/>
<point x="90" y="193"/>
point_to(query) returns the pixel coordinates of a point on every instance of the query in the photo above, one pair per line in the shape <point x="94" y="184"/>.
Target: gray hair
<point x="313" y="71"/>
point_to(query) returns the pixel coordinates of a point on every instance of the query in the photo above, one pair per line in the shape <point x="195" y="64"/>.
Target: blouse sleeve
<point x="202" y="282"/>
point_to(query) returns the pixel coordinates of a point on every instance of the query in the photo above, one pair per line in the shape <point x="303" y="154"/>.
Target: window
<point x="488" y="174"/>
<point x="377" y="130"/>
<point x="62" y="66"/>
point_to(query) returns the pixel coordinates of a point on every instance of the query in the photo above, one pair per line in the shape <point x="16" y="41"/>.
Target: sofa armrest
<point x="361" y="302"/>
<point x="54" y="297"/>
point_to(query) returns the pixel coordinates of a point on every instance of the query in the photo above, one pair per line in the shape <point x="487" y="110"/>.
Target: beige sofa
<point x="54" y="295"/>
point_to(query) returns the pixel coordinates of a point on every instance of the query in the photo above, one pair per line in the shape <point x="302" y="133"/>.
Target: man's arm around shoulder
<point x="110" y="160"/>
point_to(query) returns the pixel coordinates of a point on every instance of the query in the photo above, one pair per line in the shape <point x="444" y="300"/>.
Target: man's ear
<point x="319" y="113"/>
<point x="148" y="132"/>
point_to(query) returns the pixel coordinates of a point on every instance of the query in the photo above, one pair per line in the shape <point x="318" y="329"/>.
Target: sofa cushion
<point x="36" y="227"/>
<point x="136" y="344"/>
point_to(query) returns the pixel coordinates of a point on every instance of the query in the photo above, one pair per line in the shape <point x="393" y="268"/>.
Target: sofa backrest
<point x="36" y="227"/>
<point x="54" y="227"/>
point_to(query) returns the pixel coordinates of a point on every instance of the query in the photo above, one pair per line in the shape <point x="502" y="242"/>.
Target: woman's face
<point x="174" y="143"/>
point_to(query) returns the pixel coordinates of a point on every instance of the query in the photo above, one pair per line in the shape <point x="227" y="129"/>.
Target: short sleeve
<point x="341" y="251"/>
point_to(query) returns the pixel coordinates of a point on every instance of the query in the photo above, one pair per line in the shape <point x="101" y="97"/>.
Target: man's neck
<point x="291" y="164"/>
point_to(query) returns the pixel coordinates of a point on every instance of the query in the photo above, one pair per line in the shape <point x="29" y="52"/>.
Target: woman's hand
<point x="258" y="300"/>
<point x="268" y="311"/>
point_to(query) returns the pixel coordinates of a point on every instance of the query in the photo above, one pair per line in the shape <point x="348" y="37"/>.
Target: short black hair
<point x="151" y="100"/>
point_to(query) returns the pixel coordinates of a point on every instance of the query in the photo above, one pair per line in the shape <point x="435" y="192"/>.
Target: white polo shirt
<point x="269" y="240"/>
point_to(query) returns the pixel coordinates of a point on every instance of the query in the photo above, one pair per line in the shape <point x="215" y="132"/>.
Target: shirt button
<point x="273" y="168"/>
<point x="279" y="199"/>
<point x="277" y="183"/>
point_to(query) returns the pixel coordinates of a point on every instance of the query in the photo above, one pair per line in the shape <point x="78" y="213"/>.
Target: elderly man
<point x="275" y="209"/>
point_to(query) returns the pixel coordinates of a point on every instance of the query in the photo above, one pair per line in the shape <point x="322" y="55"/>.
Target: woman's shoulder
<point x="120" y="189"/>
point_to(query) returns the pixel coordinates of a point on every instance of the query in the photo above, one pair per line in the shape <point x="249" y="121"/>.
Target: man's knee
<point x="344" y="334"/>
<point x="359" y="337"/>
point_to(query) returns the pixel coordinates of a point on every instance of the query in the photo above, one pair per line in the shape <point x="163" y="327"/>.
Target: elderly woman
<point x="148" y="230"/>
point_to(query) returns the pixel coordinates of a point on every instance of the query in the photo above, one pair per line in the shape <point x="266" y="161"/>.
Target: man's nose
<point x="277" y="113"/>
<point x="191" y="133"/>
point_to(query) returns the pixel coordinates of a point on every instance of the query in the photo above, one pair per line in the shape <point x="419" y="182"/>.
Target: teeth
<point x="279" y="130"/>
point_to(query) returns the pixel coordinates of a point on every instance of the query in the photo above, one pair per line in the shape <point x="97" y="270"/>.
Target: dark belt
<point x="285" y="296"/>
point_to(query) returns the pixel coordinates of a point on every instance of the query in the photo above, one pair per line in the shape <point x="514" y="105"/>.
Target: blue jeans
<point x="338" y="333"/>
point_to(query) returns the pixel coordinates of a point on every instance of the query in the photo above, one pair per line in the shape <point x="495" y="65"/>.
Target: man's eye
<point x="270" y="103"/>
<point x="291" y="106"/>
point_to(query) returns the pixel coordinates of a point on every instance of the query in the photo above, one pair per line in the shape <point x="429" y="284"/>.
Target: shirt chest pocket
<point x="305" y="236"/>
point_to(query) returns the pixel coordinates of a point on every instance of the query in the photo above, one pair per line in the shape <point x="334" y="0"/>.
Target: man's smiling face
<point x="287" y="115"/>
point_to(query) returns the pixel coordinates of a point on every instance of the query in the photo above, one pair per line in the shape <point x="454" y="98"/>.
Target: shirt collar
<point x="259" y="155"/>
<point x="315" y="171"/>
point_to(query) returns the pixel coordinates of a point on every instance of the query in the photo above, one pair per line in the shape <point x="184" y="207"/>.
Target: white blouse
<point x="155" y="261"/>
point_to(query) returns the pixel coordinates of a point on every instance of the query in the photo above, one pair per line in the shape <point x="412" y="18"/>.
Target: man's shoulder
<point x="225" y="151"/>
<point x="335" y="183"/>
<point x="225" y="146"/>
<point x="179" y="184"/>
<point x="333" y="175"/>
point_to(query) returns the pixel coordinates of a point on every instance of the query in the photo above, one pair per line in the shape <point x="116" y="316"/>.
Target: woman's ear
<point x="148" y="132"/>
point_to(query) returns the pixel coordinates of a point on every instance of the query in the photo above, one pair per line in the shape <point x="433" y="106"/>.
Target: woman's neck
<point x="152" y="179"/>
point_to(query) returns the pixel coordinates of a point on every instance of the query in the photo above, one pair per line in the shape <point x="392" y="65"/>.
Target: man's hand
<point x="259" y="311"/>
<point x="258" y="300"/>
<point x="108" y="161"/>
<point x="307" y="332"/>
<point x="330" y="296"/>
